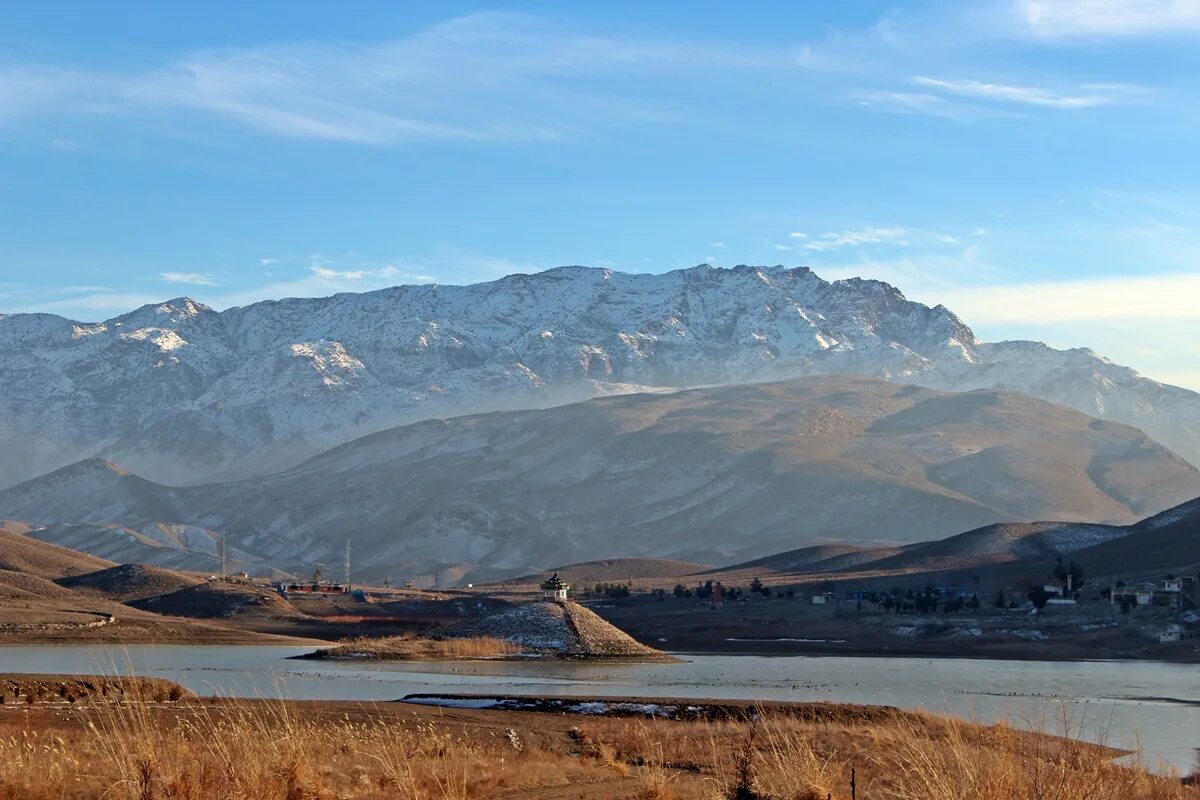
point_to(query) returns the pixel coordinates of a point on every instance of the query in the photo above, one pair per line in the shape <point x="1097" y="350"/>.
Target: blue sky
<point x="1030" y="164"/>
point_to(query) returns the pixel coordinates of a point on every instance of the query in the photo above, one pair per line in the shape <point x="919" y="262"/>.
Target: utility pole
<point x="224" y="570"/>
<point x="347" y="563"/>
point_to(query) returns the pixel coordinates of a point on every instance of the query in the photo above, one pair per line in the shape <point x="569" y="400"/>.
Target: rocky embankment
<point x="567" y="630"/>
<point x="535" y="629"/>
<point x="30" y="689"/>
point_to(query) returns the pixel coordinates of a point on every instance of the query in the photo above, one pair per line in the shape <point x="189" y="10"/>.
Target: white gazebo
<point x="555" y="589"/>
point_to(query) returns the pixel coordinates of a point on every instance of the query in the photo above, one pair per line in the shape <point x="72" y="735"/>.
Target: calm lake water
<point x="1146" y="705"/>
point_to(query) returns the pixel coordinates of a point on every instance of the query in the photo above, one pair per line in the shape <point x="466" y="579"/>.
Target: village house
<point x="1147" y="593"/>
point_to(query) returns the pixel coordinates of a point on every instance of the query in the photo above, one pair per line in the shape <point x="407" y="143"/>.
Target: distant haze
<point x="708" y="475"/>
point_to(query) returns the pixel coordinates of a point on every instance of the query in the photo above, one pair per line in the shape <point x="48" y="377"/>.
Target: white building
<point x="555" y="589"/>
<point x="1170" y="593"/>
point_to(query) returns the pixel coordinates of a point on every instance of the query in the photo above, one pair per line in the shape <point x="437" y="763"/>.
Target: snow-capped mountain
<point x="187" y="394"/>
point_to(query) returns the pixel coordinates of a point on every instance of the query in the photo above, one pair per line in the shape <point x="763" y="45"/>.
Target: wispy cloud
<point x="93" y="305"/>
<point x="195" y="278"/>
<point x="389" y="271"/>
<point x="856" y="238"/>
<point x="915" y="103"/>
<point x="27" y="90"/>
<point x="1085" y="96"/>
<point x="480" y="77"/>
<point x="927" y="276"/>
<point x="1057" y="19"/>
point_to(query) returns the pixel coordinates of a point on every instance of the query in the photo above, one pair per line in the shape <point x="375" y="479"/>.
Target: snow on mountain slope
<point x="187" y="394"/>
<point x="708" y="475"/>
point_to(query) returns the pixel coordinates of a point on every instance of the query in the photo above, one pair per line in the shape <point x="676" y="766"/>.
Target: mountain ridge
<point x="190" y="394"/>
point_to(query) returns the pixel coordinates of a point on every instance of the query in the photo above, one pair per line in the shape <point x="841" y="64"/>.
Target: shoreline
<point x="766" y="650"/>
<point x="917" y="654"/>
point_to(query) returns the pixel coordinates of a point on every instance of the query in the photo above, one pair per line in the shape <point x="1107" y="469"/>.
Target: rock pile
<point x="565" y="629"/>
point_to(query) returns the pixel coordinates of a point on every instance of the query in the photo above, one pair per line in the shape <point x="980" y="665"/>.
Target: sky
<point x="1031" y="164"/>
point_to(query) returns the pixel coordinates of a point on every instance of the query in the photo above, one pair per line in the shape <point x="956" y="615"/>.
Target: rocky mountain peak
<point x="186" y="393"/>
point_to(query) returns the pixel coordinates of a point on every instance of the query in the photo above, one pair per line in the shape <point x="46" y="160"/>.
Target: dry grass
<point x="910" y="757"/>
<point x="284" y="751"/>
<point x="422" y="648"/>
<point x="265" y="751"/>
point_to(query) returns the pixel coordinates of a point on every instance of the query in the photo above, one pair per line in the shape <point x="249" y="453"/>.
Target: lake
<point x="1154" y="705"/>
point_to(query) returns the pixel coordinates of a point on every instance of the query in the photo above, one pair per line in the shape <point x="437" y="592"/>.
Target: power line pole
<point x="224" y="570"/>
<point x="347" y="563"/>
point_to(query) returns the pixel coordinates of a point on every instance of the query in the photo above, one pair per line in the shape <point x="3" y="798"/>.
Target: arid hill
<point x="1165" y="542"/>
<point x="709" y="475"/>
<point x="128" y="582"/>
<point x="21" y="553"/>
<point x="613" y="569"/>
<point x="218" y="599"/>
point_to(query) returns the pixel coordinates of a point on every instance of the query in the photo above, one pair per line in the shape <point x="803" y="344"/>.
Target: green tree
<point x="1072" y="570"/>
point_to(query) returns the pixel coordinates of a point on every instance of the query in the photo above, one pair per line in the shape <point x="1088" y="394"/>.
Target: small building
<point x="1061" y="601"/>
<point x="823" y="598"/>
<point x="1170" y="593"/>
<point x="555" y="589"/>
<point x="1051" y="589"/>
<point x="318" y="588"/>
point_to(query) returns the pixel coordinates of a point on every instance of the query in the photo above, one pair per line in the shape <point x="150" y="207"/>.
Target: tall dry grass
<point x="403" y="647"/>
<point x="906" y="756"/>
<point x="268" y="750"/>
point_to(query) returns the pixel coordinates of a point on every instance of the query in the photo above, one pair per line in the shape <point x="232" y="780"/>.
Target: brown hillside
<point x="218" y="599"/>
<point x="711" y="475"/>
<point x="130" y="582"/>
<point x="1168" y="542"/>
<point x="23" y="587"/>
<point x="21" y="553"/>
<point x="615" y="569"/>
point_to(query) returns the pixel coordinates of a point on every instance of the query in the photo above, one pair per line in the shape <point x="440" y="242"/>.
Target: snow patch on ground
<point x="787" y="639"/>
